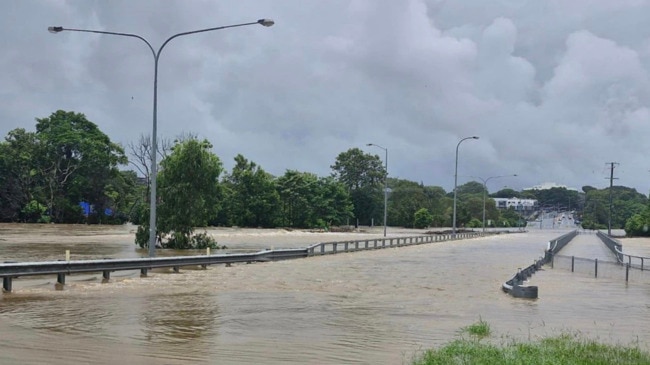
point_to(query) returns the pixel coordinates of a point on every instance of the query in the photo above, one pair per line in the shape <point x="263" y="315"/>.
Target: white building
<point x="524" y="206"/>
<point x="549" y="185"/>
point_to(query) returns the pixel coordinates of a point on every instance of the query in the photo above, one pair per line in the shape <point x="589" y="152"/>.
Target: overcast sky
<point x="556" y="90"/>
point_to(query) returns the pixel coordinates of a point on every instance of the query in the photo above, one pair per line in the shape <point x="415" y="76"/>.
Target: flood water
<point x="380" y="307"/>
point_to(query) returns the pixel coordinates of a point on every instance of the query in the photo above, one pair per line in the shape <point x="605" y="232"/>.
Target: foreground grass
<point x="563" y="349"/>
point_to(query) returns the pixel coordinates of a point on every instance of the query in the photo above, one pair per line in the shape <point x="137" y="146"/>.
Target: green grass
<point x="562" y="349"/>
<point x="479" y="329"/>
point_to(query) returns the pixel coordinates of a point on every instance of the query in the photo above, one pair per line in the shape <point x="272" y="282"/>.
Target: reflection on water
<point x="367" y="307"/>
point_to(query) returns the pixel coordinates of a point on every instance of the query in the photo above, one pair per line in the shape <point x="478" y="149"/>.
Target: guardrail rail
<point x="13" y="270"/>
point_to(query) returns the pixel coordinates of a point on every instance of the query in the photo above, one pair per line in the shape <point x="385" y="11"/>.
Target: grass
<point x="562" y="349"/>
<point x="479" y="329"/>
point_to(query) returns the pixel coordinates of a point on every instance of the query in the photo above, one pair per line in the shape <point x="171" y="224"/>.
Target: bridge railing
<point x="325" y="248"/>
<point x="613" y="245"/>
<point x="636" y="262"/>
<point x="12" y="270"/>
<point x="557" y="244"/>
<point x="629" y="271"/>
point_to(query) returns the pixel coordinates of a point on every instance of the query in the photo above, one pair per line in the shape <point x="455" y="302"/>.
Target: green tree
<point x="307" y="201"/>
<point x="508" y="193"/>
<point x="75" y="160"/>
<point x="406" y="198"/>
<point x="422" y="218"/>
<point x="363" y="174"/>
<point x="189" y="193"/>
<point x="19" y="181"/>
<point x="252" y="197"/>
<point x="625" y="203"/>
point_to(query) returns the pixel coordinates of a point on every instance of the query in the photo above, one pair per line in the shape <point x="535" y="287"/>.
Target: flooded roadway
<point x="367" y="307"/>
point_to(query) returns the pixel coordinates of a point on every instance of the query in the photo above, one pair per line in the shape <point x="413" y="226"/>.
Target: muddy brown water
<point x="380" y="307"/>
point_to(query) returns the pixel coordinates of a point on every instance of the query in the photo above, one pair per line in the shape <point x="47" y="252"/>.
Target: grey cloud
<point x="554" y="89"/>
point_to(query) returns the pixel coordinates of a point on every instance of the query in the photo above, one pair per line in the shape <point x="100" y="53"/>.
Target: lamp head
<point x="266" y="22"/>
<point x="474" y="137"/>
<point x="54" y="29"/>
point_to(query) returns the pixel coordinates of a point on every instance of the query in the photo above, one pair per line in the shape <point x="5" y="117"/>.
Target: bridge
<point x="580" y="251"/>
<point x="587" y="251"/>
<point x="14" y="270"/>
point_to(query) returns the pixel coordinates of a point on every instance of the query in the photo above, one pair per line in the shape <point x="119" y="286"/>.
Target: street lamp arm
<point x="60" y="29"/>
<point x="376" y="145"/>
<point x="264" y="22"/>
<point x="456" y="182"/>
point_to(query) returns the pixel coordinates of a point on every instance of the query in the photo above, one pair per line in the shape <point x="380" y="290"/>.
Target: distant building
<point x="522" y="206"/>
<point x="549" y="185"/>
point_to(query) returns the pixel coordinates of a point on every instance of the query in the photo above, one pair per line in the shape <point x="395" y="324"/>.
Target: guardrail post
<point x="106" y="275"/>
<point x="642" y="264"/>
<point x="627" y="272"/>
<point x="60" y="278"/>
<point x="6" y="284"/>
<point x="346" y="247"/>
<point x="334" y="247"/>
<point x="356" y="245"/>
<point x="552" y="261"/>
<point x="596" y="268"/>
<point x="322" y="248"/>
<point x="375" y="244"/>
<point x="573" y="260"/>
<point x="176" y="269"/>
<point x="143" y="273"/>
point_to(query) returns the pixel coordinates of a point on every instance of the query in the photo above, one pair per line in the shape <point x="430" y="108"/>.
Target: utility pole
<point x="611" y="185"/>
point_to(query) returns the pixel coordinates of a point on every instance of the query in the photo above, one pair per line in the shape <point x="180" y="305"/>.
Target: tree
<point x="471" y="187"/>
<point x="140" y="152"/>
<point x="508" y="193"/>
<point x="422" y="218"/>
<point x="18" y="178"/>
<point x="251" y="196"/>
<point x="75" y="160"/>
<point x="189" y="193"/>
<point x="363" y="174"/>
<point x="307" y="201"/>
<point x="626" y="202"/>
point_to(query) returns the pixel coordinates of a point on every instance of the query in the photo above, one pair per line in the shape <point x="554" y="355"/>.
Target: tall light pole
<point x="154" y="146"/>
<point x="456" y="181"/>
<point x="485" y="190"/>
<point x="385" y="184"/>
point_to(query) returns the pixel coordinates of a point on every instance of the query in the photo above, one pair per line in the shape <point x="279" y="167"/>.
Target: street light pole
<point x="385" y="184"/>
<point x="485" y="191"/>
<point x="456" y="181"/>
<point x="154" y="144"/>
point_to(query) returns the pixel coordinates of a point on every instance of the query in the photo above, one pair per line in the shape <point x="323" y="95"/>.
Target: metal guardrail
<point x="628" y="261"/>
<point x="635" y="262"/>
<point x="515" y="285"/>
<point x="326" y="248"/>
<point x="12" y="270"/>
<point x="613" y="245"/>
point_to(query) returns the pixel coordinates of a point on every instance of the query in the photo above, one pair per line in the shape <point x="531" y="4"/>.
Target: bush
<point x="34" y="212"/>
<point x="422" y="219"/>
